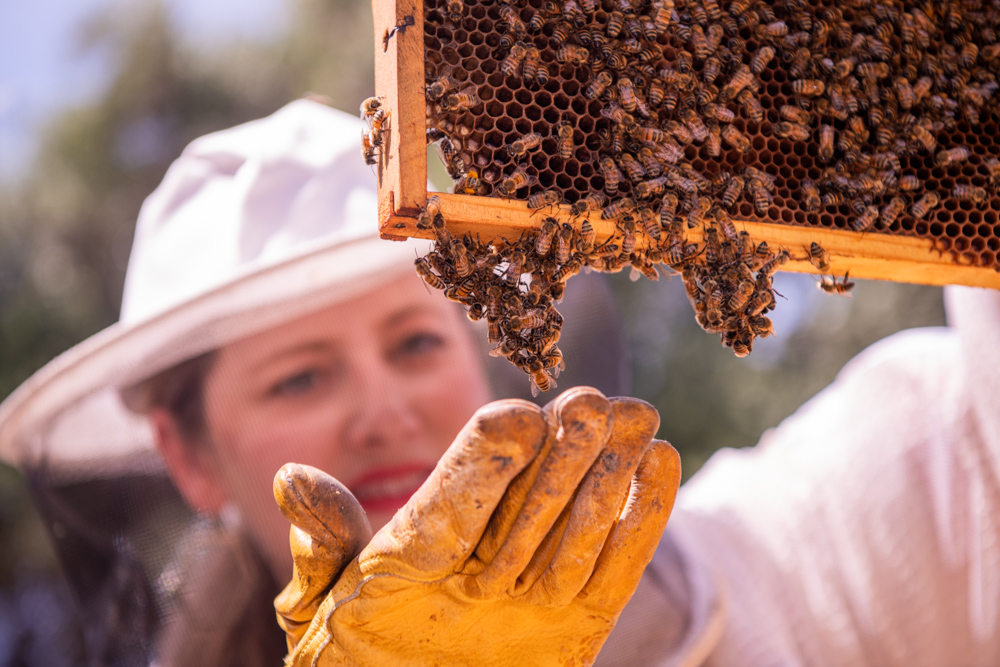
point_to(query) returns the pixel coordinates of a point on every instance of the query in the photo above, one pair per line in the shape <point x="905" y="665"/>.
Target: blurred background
<point x="97" y="97"/>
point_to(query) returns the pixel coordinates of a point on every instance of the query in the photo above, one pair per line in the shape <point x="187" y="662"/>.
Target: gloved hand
<point x="521" y="548"/>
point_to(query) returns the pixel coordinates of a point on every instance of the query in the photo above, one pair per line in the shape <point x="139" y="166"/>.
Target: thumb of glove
<point x="329" y="529"/>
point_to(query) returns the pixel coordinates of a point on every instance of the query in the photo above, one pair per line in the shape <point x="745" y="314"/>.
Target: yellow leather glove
<point x="522" y="547"/>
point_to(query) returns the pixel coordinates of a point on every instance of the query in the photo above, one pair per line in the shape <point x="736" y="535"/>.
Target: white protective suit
<point x="863" y="530"/>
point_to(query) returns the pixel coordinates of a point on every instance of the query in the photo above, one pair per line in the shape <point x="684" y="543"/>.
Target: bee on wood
<point x="545" y="198"/>
<point x="650" y="188"/>
<point x="735" y="139"/>
<point x="668" y="211"/>
<point x="368" y="149"/>
<point x="697" y="214"/>
<point x="973" y="193"/>
<point x="650" y="222"/>
<point x="725" y="225"/>
<point x="370" y="106"/>
<point x="564" y="135"/>
<point x="521" y="146"/>
<point x="564" y="244"/>
<point x="831" y="285"/>
<point x="866" y="220"/>
<point x="623" y="206"/>
<point x="430" y="212"/>
<point x="819" y="257"/>
<point x="588" y="237"/>
<point x="592" y="202"/>
<point x="543" y="243"/>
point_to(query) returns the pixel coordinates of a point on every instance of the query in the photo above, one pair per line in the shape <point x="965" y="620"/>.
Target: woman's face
<point x="371" y="391"/>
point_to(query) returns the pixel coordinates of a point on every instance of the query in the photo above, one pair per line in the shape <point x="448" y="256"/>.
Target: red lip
<point x="388" y="489"/>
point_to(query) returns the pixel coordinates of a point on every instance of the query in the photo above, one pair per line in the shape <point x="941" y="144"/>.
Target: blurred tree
<point x="66" y="224"/>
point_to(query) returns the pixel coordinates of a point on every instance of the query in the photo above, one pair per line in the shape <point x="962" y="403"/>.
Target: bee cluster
<point x="866" y="116"/>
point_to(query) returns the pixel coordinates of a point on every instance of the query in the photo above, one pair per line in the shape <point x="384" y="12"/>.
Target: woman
<point x="263" y="322"/>
<point x="865" y="529"/>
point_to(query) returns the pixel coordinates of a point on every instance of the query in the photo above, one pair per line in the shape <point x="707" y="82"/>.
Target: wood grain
<point x="875" y="256"/>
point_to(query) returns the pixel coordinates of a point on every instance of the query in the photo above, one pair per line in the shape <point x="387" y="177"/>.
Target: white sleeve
<point x="863" y="530"/>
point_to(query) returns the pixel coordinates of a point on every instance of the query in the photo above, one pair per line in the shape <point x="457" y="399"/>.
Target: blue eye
<point x="422" y="343"/>
<point x="297" y="384"/>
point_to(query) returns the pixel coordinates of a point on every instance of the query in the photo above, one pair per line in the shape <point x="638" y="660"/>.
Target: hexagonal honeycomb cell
<point x="867" y="115"/>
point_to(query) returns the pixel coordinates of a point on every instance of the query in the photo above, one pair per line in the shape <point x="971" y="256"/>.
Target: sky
<point x="43" y="68"/>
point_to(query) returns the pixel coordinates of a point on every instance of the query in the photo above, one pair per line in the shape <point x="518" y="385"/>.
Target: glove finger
<point x="329" y="528"/>
<point x="557" y="574"/>
<point x="438" y="528"/>
<point x="638" y="530"/>
<point x="580" y="424"/>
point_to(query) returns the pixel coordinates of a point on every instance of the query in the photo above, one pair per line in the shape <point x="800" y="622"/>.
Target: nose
<point x="382" y="412"/>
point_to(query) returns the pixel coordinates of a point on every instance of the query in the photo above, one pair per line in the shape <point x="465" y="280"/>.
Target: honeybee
<point x="598" y="85"/>
<point x="592" y="202"/>
<point x="627" y="94"/>
<point x="540" y="378"/>
<point x="892" y="211"/>
<point x="616" y="20"/>
<point x="808" y="87"/>
<point x="570" y="53"/>
<point x="531" y="64"/>
<point x="430" y="212"/>
<point x="865" y="221"/>
<point x="714" y="141"/>
<point x="972" y="193"/>
<point x="761" y="59"/>
<point x="695" y="124"/>
<point x="794" y="114"/>
<point x="952" y="156"/>
<point x="623" y="206"/>
<point x="761" y="197"/>
<point x="564" y="272"/>
<point x="819" y="257"/>
<point x="650" y="222"/>
<point x="517" y="180"/>
<point x="649" y="162"/>
<point x="441" y="233"/>
<point x="810" y="195"/>
<point x="455" y="9"/>
<point x="562" y="32"/>
<point x="826" y="137"/>
<point x="993" y="166"/>
<point x="521" y="146"/>
<point x="909" y="183"/>
<point x="751" y="106"/>
<point x="733" y="190"/>
<point x="792" y="131"/>
<point x="760" y="302"/>
<point x="545" y="236"/>
<point x="370" y="106"/>
<point x="545" y="198"/>
<point x="830" y="285"/>
<point x="699" y="44"/>
<point x="368" y="149"/>
<point x="436" y="89"/>
<point x="725" y="224"/>
<point x="698" y="212"/>
<point x="740" y="297"/>
<point x="564" y="244"/>
<point x="631" y="167"/>
<point x="741" y="79"/>
<point x="612" y="176"/>
<point x="587" y="237"/>
<point x="926" y="139"/>
<point x="735" y="139"/>
<point x="463" y="99"/>
<point x="512" y="276"/>
<point x="512" y="63"/>
<point x="513" y="21"/>
<point x="565" y="140"/>
<point x="650" y="188"/>
<point x="766" y="180"/>
<point x="668" y="211"/>
<point x="425" y="272"/>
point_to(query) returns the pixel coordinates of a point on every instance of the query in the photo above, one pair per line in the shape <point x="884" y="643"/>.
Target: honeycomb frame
<point x="402" y="178"/>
